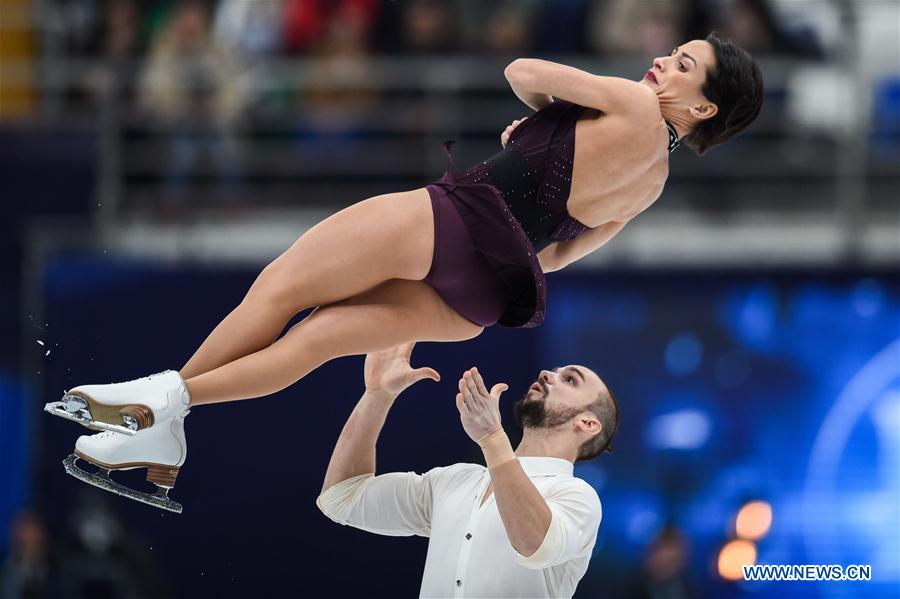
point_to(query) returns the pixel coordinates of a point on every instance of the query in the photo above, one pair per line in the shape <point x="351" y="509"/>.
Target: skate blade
<point x="159" y="500"/>
<point x="82" y="417"/>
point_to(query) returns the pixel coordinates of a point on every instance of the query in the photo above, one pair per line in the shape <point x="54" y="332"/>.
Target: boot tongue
<point x="185" y="396"/>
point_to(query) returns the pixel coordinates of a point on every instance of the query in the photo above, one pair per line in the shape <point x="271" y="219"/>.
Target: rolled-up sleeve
<point x="397" y="504"/>
<point x="574" y="522"/>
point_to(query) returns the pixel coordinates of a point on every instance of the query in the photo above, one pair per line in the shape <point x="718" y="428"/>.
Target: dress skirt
<point x="484" y="265"/>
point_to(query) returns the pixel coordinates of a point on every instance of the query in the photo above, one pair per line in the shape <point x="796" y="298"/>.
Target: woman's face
<point x="679" y="77"/>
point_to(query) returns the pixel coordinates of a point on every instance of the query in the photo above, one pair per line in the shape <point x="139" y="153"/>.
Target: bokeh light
<point x="753" y="520"/>
<point x="682" y="429"/>
<point x="683" y="354"/>
<point x="733" y="556"/>
<point x="867" y="297"/>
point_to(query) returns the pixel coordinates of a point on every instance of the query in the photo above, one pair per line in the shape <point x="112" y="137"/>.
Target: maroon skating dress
<point x="493" y="219"/>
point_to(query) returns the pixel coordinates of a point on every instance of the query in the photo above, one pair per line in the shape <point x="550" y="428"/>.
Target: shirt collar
<point x="541" y="465"/>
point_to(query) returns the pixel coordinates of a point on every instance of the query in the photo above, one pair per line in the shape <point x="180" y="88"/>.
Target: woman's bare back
<point x="620" y="166"/>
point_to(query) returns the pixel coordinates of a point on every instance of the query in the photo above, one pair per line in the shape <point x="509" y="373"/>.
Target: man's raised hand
<point x="479" y="409"/>
<point x="388" y="372"/>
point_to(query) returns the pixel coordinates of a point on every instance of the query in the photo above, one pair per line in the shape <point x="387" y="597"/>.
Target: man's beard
<point x="533" y="413"/>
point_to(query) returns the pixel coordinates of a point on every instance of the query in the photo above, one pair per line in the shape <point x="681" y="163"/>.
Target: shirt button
<point x="459" y="583"/>
<point x="468" y="536"/>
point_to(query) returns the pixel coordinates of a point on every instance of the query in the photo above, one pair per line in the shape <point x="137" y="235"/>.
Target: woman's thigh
<point x="394" y="312"/>
<point x="390" y="236"/>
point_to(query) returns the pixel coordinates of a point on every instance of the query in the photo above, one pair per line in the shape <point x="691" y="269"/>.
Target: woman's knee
<point x="344" y="328"/>
<point x="457" y="328"/>
<point x="469" y="330"/>
<point x="394" y="312"/>
<point x="274" y="289"/>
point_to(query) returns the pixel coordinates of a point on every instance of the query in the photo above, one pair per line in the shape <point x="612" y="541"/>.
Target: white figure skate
<point x="161" y="449"/>
<point x="125" y="407"/>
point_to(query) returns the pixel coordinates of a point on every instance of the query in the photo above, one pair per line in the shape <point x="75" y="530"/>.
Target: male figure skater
<point x="523" y="526"/>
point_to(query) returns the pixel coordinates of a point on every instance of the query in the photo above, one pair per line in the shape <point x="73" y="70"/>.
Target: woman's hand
<point x="388" y="372"/>
<point x="504" y="137"/>
<point x="479" y="410"/>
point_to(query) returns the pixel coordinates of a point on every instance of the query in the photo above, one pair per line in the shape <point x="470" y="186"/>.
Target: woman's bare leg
<point x="389" y="236"/>
<point x="391" y="313"/>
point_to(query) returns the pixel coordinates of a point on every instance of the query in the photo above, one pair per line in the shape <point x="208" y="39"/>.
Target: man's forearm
<point x="354" y="453"/>
<point x="523" y="510"/>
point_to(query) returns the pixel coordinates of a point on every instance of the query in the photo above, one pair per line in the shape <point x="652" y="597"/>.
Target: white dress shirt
<point x="469" y="553"/>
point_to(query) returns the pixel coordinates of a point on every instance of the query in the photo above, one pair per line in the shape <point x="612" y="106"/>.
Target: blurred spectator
<point x="249" y="28"/>
<point x="308" y="23"/>
<point x="504" y="28"/>
<point x="117" y="46"/>
<point x="104" y="30"/>
<point x="508" y="30"/>
<point x="29" y="569"/>
<point x="753" y="25"/>
<point x="664" y="574"/>
<point x="304" y="22"/>
<point x="117" y="35"/>
<point x="341" y="84"/>
<point x="429" y="27"/>
<point x="647" y="28"/>
<point x="191" y="85"/>
<point x="71" y="26"/>
<point x="252" y="34"/>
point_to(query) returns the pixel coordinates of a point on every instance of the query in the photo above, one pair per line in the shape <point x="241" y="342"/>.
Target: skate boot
<point x="125" y="407"/>
<point x="160" y="449"/>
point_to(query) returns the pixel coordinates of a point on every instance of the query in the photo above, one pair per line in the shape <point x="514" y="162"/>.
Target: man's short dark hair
<point x="606" y="409"/>
<point x="736" y="87"/>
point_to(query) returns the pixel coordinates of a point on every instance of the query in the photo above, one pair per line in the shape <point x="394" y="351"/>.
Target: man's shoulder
<point x="454" y="472"/>
<point x="580" y="486"/>
<point x="589" y="489"/>
<point x="458" y="468"/>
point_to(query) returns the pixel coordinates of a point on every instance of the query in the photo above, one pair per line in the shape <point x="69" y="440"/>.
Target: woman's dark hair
<point x="736" y="87"/>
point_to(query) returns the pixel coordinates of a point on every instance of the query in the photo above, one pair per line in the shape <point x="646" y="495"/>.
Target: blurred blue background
<point x="154" y="156"/>
<point x="776" y="386"/>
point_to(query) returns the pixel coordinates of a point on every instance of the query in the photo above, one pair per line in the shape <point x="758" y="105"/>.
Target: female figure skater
<point x="442" y="262"/>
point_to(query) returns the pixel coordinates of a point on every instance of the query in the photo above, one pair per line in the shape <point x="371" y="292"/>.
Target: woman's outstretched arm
<point x="534" y="79"/>
<point x="533" y="100"/>
<point x="566" y="252"/>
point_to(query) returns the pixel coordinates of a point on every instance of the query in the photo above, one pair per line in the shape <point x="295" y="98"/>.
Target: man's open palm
<point x="389" y="370"/>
